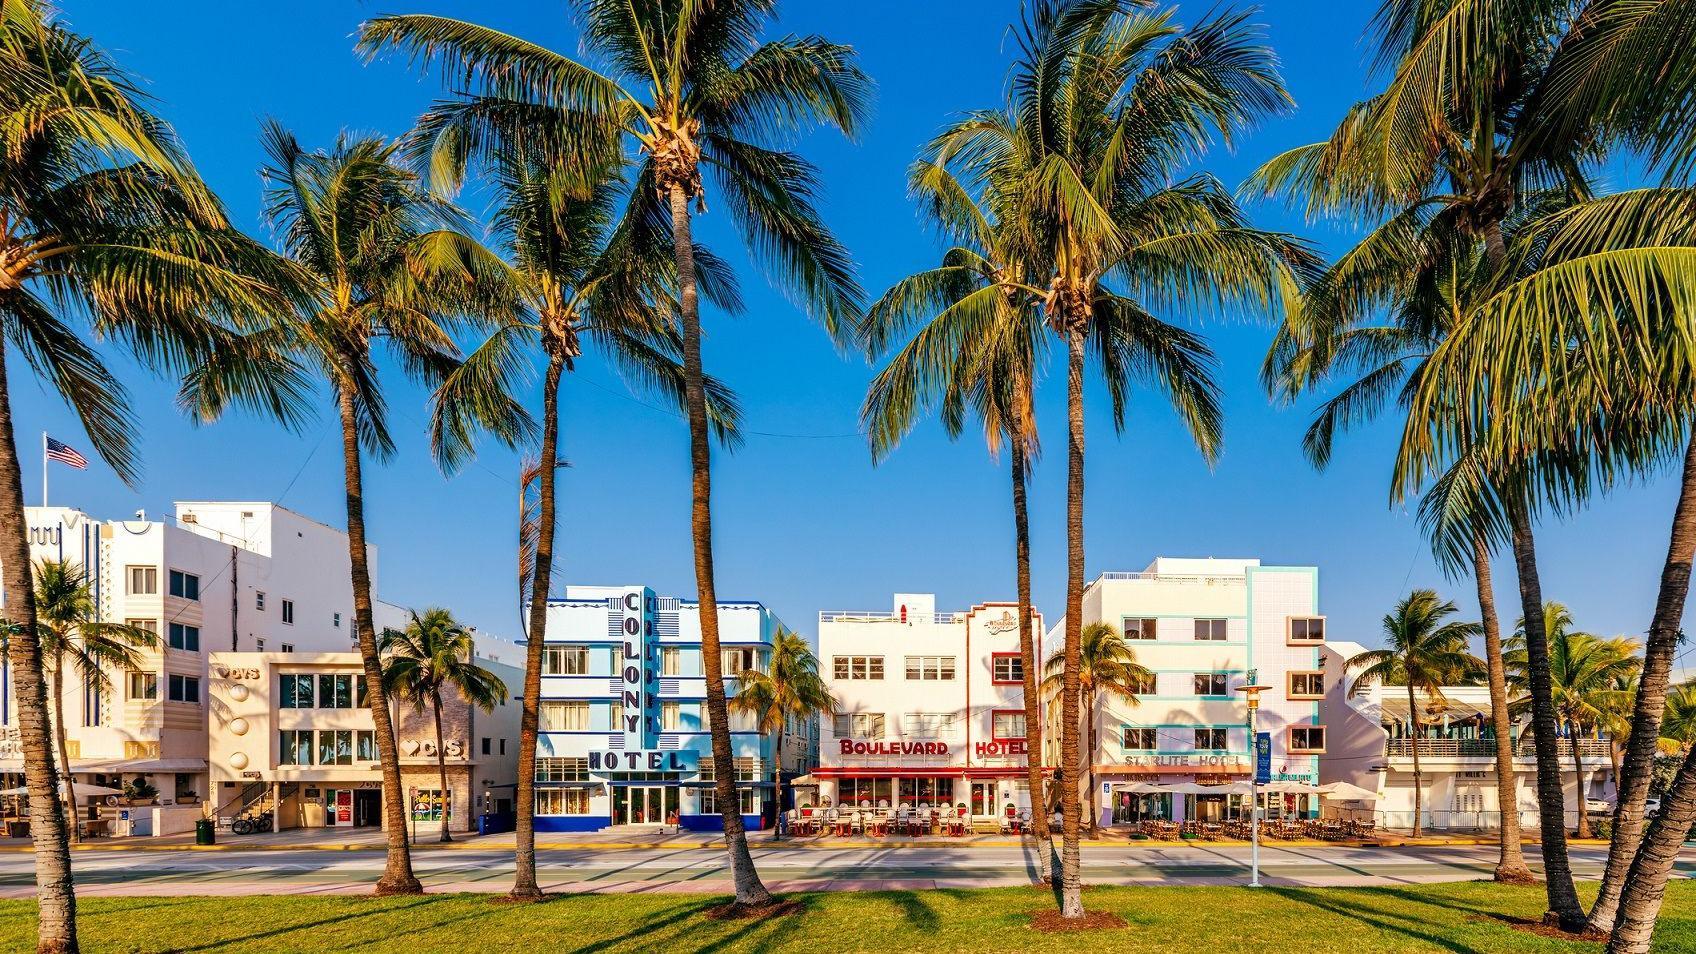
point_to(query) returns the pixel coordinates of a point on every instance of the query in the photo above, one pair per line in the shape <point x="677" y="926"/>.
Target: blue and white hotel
<point x="623" y="737"/>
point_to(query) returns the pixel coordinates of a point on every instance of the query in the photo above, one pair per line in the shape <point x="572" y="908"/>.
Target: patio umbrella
<point x="1345" y="791"/>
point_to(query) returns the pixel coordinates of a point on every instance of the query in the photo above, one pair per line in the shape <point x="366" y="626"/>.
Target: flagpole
<point x="44" y="470"/>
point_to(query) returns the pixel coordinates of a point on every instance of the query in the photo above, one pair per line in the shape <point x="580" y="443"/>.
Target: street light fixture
<point x="1252" y="692"/>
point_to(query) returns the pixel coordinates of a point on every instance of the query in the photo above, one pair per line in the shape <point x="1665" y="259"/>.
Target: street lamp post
<point x="1252" y="692"/>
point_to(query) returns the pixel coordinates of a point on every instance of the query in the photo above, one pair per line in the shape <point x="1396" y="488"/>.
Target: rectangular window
<point x="1306" y="631"/>
<point x="863" y="725"/>
<point x="1307" y="739"/>
<point x="336" y="621"/>
<point x="1307" y="685"/>
<point x="183" y="688"/>
<point x="1211" y="684"/>
<point x="1210" y="631"/>
<point x="1139" y="628"/>
<point x="259" y="599"/>
<point x="335" y="690"/>
<point x="144" y="686"/>
<point x="671" y="717"/>
<point x="562" y="769"/>
<point x="486" y="746"/>
<point x="185" y="637"/>
<point x="1140" y="738"/>
<point x="1007" y="725"/>
<point x="927" y="725"/>
<point x="565" y="716"/>
<point x="259" y="644"/>
<point x="930" y="667"/>
<point x="288" y="613"/>
<point x="1007" y="668"/>
<point x="296" y="747"/>
<point x="857" y="667"/>
<point x="185" y="585"/>
<point x="737" y="661"/>
<point x="1143" y="683"/>
<point x="503" y="746"/>
<point x="145" y="625"/>
<point x="671" y="661"/>
<point x="565" y="660"/>
<point x="144" y="580"/>
<point x="365" y="745"/>
<point x="288" y="647"/>
<point x="562" y="801"/>
<point x="335" y="747"/>
<point x="745" y="797"/>
<point x="294" y="692"/>
<point x="1210" y="740"/>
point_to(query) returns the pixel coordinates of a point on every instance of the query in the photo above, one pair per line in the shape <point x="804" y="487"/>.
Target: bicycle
<point x="248" y="824"/>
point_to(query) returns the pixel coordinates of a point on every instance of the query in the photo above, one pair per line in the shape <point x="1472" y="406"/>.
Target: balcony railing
<point x="1486" y="748"/>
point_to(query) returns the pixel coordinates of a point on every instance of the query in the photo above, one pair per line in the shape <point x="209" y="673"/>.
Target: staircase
<point x="254" y="798"/>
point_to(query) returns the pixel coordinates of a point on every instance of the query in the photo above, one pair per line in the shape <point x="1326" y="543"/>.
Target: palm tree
<point x="977" y="349"/>
<point x="432" y="655"/>
<point x="1107" y="669"/>
<point x="1590" y="679"/>
<point x="583" y="279"/>
<point x="102" y="220"/>
<point x="1679" y="725"/>
<point x="691" y="85"/>
<point x="73" y="636"/>
<point x="790" y="689"/>
<point x="386" y="262"/>
<point x="1107" y="105"/>
<point x="1424" y="654"/>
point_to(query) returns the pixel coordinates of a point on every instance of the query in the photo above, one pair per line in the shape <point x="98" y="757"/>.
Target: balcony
<point x="1486" y="748"/>
<point x="882" y="616"/>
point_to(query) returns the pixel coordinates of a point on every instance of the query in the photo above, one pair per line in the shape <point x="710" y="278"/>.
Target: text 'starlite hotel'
<point x="624" y="737"/>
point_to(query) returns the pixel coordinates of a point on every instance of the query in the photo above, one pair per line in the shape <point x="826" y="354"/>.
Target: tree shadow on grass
<point x="645" y="930"/>
<point x="355" y="914"/>
<point x="1393" y="922"/>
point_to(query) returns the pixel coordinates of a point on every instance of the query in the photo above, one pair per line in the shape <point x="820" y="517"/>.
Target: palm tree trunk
<point x="1578" y="778"/>
<point x="524" y="885"/>
<point x="64" y="750"/>
<point x="1631" y="782"/>
<point x="397" y="871"/>
<point x="56" y="902"/>
<point x="1510" y="865"/>
<point x="1418" y="773"/>
<point x="1071" y="875"/>
<point x="1028" y="660"/>
<point x="441" y="763"/>
<point x="1551" y="811"/>
<point x="1645" y="882"/>
<point x="750" y="891"/>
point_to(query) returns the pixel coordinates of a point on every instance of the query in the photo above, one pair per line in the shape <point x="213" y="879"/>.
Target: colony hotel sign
<point x="640" y="675"/>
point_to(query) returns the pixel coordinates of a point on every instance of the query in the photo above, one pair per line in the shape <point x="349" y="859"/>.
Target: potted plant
<point x="141" y="792"/>
<point x="189" y="797"/>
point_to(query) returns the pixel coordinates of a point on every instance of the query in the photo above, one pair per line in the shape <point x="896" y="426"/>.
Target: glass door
<point x="643" y="804"/>
<point x="983" y="800"/>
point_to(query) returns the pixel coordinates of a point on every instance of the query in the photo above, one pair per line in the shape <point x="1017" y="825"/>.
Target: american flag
<point x="66" y="454"/>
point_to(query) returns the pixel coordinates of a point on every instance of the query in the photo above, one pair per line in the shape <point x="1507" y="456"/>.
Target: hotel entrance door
<point x="983" y="800"/>
<point x="643" y="804"/>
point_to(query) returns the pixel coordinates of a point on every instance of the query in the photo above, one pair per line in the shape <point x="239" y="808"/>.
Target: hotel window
<point x="1211" y="684"/>
<point x="565" y="716"/>
<point x="1210" y="740"/>
<point x="1007" y="668"/>
<point x="864" y="725"/>
<point x="671" y="717"/>
<point x="259" y="599"/>
<point x="671" y="661"/>
<point x="735" y="662"/>
<point x="294" y="692"/>
<point x="336" y="621"/>
<point x="1139" y="628"/>
<point x="1140" y="738"/>
<point x="183" y="688"/>
<point x="335" y="691"/>
<point x="565" y="660"/>
<point x="144" y="580"/>
<point x="562" y="801"/>
<point x="858" y="667"/>
<point x="288" y="647"/>
<point x="1210" y="631"/>
<point x="1307" y="685"/>
<point x="259" y="644"/>
<point x="185" y="637"/>
<point x="296" y="748"/>
<point x="927" y="725"/>
<point x="185" y="585"/>
<point x="562" y="769"/>
<point x="144" y="685"/>
<point x="335" y="747"/>
<point x="916" y="790"/>
<point x="1007" y="725"/>
<point x="486" y="748"/>
<point x="1306" y="631"/>
<point x="1308" y="739"/>
<point x="747" y="769"/>
<point x="1143" y="683"/>
<point x="746" y="798"/>
<point x="365" y="746"/>
<point x="288" y="612"/>
<point x="145" y="625"/>
<point x="930" y="667"/>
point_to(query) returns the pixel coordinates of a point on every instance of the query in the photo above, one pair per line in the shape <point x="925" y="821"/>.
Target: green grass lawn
<point x="1449" y="917"/>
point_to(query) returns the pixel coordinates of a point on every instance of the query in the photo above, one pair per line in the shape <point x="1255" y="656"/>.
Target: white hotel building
<point x="930" y="707"/>
<point x="1205" y="627"/>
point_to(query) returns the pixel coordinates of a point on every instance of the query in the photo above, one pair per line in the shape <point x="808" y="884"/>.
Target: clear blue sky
<point x="805" y="522"/>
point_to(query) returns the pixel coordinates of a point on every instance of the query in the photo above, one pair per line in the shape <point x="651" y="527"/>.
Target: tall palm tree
<point x="977" y="349"/>
<point x="790" y="688"/>
<point x="691" y="86"/>
<point x="1107" y="105"/>
<point x="435" y="654"/>
<point x="102" y="221"/>
<point x="74" y="637"/>
<point x="386" y="262"/>
<point x="1590" y="679"/>
<point x="1107" y="669"/>
<point x="584" y="280"/>
<point x="1424" y="654"/>
<point x="1679" y="725"/>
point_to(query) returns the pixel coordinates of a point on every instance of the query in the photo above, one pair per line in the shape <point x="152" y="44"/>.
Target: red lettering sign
<point x="1001" y="747"/>
<point x="855" y="747"/>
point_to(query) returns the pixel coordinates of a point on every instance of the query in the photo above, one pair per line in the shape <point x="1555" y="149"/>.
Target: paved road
<point x="702" y="869"/>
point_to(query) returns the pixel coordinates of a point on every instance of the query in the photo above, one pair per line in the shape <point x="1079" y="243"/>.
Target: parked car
<point x="1598" y="806"/>
<point x="1651" y="807"/>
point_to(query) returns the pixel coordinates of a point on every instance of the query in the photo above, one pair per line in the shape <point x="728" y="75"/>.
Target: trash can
<point x="205" y="833"/>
